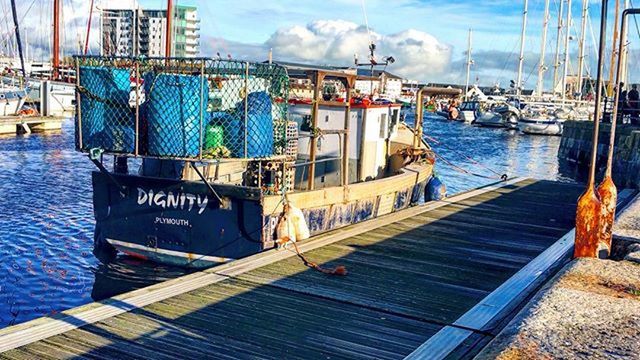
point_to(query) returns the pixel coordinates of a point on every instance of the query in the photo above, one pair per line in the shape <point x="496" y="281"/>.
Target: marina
<point x="171" y="194"/>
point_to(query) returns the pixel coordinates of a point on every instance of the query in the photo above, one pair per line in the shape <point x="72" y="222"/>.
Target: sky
<point x="428" y="38"/>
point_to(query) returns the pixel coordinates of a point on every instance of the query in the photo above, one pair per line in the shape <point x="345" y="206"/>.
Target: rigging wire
<point x="366" y="21"/>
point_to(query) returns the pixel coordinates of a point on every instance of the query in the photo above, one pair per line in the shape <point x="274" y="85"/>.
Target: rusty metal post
<point x="314" y="124"/>
<point x="607" y="189"/>
<point x="588" y="209"/>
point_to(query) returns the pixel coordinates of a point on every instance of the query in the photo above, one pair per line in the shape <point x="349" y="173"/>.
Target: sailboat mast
<point x="56" y="39"/>
<point x="566" y="52"/>
<point x="625" y="52"/>
<point x="18" y="42"/>
<point x="466" y="87"/>
<point x="543" y="48"/>
<point x="556" y="64"/>
<point x="583" y="35"/>
<point x="614" y="49"/>
<point x="86" y="40"/>
<point x="168" y="32"/>
<point x="521" y="61"/>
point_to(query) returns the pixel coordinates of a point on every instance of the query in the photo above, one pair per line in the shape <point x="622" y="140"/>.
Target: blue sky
<point x="427" y="37"/>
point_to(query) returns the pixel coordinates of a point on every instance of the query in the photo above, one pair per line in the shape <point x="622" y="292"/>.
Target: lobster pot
<point x="173" y="110"/>
<point x="259" y="131"/>
<point x="107" y="120"/>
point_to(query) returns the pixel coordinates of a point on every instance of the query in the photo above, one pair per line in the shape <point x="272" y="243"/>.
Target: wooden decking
<point x="412" y="275"/>
<point x="16" y="124"/>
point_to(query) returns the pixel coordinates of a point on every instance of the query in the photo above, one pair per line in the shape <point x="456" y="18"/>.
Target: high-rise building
<point x="132" y="32"/>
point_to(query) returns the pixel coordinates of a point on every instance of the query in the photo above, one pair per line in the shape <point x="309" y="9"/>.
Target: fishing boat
<point x="228" y="162"/>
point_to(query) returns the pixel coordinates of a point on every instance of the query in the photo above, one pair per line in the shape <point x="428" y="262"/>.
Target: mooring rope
<point x="499" y="175"/>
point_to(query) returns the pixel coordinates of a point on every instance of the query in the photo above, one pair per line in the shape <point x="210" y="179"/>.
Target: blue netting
<point x="182" y="108"/>
<point x="173" y="111"/>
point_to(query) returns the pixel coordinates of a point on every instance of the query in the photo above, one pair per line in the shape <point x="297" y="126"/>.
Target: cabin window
<point x="383" y="126"/>
<point x="326" y="119"/>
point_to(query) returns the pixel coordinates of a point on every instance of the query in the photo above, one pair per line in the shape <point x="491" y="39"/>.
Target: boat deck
<point x="435" y="280"/>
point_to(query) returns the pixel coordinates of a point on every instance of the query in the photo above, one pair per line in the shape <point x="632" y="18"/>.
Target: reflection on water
<point x="46" y="219"/>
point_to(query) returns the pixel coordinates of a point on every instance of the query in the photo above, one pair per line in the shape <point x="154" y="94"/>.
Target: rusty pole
<point x="56" y="39"/>
<point x="588" y="209"/>
<point x="167" y="51"/>
<point x="86" y="40"/>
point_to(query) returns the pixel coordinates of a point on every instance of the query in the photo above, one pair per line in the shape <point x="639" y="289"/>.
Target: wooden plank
<point x="13" y="337"/>
<point x="505" y="298"/>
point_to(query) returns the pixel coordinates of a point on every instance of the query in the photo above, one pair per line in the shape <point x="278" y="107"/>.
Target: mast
<point x="556" y="64"/>
<point x="466" y="87"/>
<point x="86" y="40"/>
<point x="18" y="43"/>
<point x="614" y="49"/>
<point x="625" y="52"/>
<point x="543" y="48"/>
<point x="521" y="61"/>
<point x="168" y="33"/>
<point x="566" y="52"/>
<point x="583" y="34"/>
<point x="56" y="39"/>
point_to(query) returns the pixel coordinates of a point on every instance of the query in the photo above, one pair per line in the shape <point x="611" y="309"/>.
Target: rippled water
<point x="46" y="219"/>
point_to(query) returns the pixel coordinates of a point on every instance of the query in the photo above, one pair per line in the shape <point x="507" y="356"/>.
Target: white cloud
<point x="418" y="54"/>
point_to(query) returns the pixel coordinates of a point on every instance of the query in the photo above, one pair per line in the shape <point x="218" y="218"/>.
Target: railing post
<point x="314" y="124"/>
<point x="78" y="106"/>
<point x="246" y="108"/>
<point x="345" y="139"/>
<point x="202" y="107"/>
<point x="137" y="129"/>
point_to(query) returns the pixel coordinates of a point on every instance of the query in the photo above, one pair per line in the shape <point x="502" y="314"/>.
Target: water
<point x="46" y="231"/>
<point x="46" y="219"/>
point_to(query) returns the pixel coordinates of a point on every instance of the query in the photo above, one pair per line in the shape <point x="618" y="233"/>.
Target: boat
<point x="503" y="115"/>
<point x="469" y="111"/>
<point x="224" y="173"/>
<point x="541" y="125"/>
<point x="11" y="100"/>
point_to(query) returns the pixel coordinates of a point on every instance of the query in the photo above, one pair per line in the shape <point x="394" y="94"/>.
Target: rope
<point x="338" y="270"/>
<point x="499" y="175"/>
<point x="502" y="177"/>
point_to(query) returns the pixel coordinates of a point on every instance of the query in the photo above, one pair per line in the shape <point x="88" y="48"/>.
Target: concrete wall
<point x="576" y="143"/>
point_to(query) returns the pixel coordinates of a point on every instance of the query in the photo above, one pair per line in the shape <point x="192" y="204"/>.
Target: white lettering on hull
<point x="169" y="200"/>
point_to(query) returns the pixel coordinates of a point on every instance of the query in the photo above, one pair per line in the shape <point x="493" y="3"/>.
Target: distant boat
<point x="541" y="126"/>
<point x="503" y="115"/>
<point x="11" y="100"/>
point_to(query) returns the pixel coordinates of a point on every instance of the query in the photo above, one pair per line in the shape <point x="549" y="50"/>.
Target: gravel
<point x="590" y="310"/>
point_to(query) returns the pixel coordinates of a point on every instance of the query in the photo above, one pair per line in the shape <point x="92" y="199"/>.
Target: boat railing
<point x="193" y="109"/>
